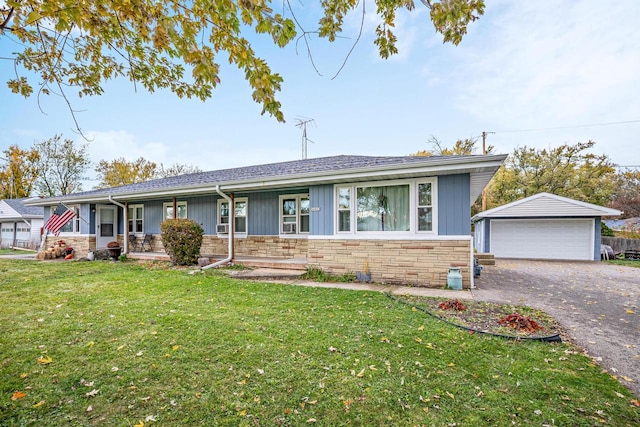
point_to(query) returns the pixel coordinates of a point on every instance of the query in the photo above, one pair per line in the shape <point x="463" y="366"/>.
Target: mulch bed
<point x="486" y="317"/>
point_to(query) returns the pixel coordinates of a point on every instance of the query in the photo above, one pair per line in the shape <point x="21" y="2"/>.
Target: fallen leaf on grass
<point x="89" y="408"/>
<point x="630" y="312"/>
<point x="627" y="379"/>
<point x="635" y="402"/>
<point x="92" y="393"/>
<point x="18" y="395"/>
<point x="45" y="360"/>
<point x="24" y="375"/>
<point x="39" y="404"/>
<point x="140" y="424"/>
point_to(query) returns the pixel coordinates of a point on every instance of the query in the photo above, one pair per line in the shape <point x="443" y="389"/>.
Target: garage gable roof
<point x="15" y="209"/>
<point x="547" y="205"/>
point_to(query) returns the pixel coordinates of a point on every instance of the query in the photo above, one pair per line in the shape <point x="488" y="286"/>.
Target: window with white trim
<point x="239" y="214"/>
<point x="294" y="214"/>
<point x="391" y="206"/>
<point x="425" y="206"/>
<point x="383" y="208"/>
<point x="181" y="210"/>
<point x="344" y="209"/>
<point x="136" y="218"/>
<point x="72" y="226"/>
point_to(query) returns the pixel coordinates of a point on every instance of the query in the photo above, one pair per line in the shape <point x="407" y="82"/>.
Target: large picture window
<point x="381" y="207"/>
<point x="136" y="219"/>
<point x="239" y="214"/>
<point x="294" y="214"/>
<point x="385" y="208"/>
<point x="181" y="210"/>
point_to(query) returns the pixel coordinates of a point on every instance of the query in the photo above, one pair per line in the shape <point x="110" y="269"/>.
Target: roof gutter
<point x="125" y="227"/>
<point x="231" y="214"/>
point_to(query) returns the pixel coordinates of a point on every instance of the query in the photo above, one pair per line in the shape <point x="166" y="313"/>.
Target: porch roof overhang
<point x="480" y="168"/>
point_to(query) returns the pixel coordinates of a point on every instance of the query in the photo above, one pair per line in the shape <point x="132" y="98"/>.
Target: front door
<point x="106" y="225"/>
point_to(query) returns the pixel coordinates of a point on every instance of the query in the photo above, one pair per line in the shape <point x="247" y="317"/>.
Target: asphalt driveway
<point x="597" y="304"/>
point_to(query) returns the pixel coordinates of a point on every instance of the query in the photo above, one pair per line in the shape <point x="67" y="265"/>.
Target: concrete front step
<point x="485" y="259"/>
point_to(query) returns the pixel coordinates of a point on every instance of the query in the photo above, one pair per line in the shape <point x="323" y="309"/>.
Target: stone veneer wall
<point x="81" y="245"/>
<point x="418" y="262"/>
<point x="257" y="246"/>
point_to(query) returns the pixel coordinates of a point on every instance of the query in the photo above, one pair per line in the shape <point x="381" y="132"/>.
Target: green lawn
<point x="122" y="344"/>
<point x="14" y="252"/>
<point x="625" y="262"/>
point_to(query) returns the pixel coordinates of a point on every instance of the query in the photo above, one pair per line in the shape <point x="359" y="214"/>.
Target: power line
<point x="569" y="127"/>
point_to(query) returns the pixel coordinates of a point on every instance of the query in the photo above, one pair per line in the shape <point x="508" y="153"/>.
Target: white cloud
<point x="547" y="64"/>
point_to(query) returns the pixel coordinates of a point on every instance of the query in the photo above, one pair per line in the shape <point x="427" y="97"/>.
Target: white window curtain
<point x="383" y="208"/>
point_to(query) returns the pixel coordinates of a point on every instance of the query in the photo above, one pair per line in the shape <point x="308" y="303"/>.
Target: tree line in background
<point x="567" y="170"/>
<point x="57" y="167"/>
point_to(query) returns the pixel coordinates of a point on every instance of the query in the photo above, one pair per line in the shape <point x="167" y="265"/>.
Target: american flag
<point x="59" y="218"/>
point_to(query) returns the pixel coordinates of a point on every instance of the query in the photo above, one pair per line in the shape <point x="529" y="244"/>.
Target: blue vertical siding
<point x="263" y="216"/>
<point x="152" y="216"/>
<point x="454" y="209"/>
<point x="487" y="235"/>
<point x="321" y="216"/>
<point x="203" y="211"/>
<point x="597" y="238"/>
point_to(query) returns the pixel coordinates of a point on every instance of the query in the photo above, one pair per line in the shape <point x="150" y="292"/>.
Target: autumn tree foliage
<point x="626" y="194"/>
<point x="178" y="45"/>
<point x="462" y="147"/>
<point x="567" y="170"/>
<point x="122" y="172"/>
<point x="19" y="173"/>
<point x="61" y="166"/>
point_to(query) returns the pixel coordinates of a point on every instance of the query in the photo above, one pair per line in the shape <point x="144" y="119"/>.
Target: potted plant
<point x="114" y="250"/>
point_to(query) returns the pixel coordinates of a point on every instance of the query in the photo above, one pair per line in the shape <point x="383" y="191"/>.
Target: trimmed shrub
<point x="182" y="239"/>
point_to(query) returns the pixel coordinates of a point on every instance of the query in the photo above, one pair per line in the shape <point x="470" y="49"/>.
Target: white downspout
<point x="230" y="237"/>
<point x="124" y="211"/>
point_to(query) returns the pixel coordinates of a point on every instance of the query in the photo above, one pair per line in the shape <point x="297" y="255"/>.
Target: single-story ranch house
<point x="403" y="219"/>
<point x="20" y="225"/>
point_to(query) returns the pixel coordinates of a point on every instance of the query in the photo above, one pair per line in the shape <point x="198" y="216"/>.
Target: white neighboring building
<point x="20" y="225"/>
<point x="542" y="226"/>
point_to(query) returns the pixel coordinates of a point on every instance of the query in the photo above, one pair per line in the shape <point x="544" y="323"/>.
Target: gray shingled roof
<point x="266" y="172"/>
<point x="25" y="211"/>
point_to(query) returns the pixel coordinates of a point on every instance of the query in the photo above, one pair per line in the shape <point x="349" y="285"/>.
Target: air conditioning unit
<point x="289" y="228"/>
<point x="222" y="228"/>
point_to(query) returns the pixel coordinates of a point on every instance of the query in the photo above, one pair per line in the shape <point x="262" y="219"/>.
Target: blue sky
<point x="524" y="65"/>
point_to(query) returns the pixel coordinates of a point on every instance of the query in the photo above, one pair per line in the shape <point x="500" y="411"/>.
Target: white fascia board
<point x="604" y="211"/>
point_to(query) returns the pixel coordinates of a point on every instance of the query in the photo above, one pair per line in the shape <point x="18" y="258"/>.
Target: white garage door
<point x="570" y="239"/>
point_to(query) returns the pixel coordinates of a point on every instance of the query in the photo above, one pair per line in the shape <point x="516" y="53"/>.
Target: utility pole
<point x="302" y="123"/>
<point x="484" y="151"/>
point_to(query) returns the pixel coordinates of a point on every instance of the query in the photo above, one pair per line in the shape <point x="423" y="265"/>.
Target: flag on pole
<point x="59" y="218"/>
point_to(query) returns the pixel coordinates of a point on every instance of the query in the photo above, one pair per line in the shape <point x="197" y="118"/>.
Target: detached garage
<point x="543" y="226"/>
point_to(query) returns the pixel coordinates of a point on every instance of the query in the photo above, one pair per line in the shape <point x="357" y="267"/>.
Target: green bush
<point x="606" y="231"/>
<point x="182" y="239"/>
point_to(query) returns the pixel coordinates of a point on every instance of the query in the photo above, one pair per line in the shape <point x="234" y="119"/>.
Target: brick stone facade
<point x="257" y="246"/>
<point x="418" y="262"/>
<point x="81" y="245"/>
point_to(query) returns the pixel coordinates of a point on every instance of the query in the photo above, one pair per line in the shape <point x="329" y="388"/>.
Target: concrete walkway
<point x="288" y="277"/>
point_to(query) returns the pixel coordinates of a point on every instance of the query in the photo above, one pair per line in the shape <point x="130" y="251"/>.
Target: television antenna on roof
<point x="303" y="122"/>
